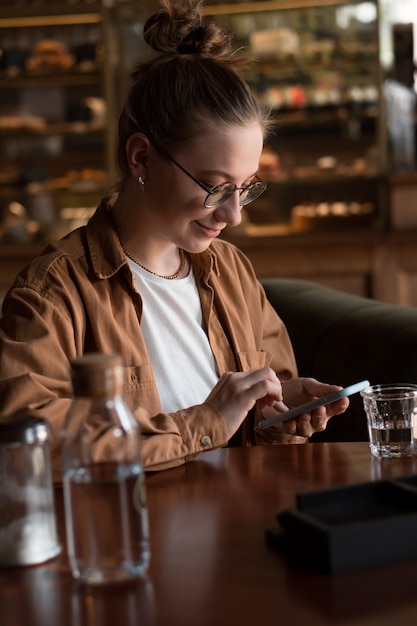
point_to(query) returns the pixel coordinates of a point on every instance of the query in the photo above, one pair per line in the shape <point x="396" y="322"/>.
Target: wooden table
<point x="211" y="565"/>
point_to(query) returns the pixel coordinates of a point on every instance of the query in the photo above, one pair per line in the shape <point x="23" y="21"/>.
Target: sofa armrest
<point x="341" y="338"/>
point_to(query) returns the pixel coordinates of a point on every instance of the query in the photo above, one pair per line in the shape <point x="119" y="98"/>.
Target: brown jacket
<point x="78" y="297"/>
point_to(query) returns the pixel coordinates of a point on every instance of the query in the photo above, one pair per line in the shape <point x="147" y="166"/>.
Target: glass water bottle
<point x="104" y="482"/>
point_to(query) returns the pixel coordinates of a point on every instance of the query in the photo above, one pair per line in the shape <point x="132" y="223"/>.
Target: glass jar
<point x="28" y="531"/>
<point x="104" y="482"/>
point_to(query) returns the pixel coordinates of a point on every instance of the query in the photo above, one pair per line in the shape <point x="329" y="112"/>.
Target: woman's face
<point x="174" y="208"/>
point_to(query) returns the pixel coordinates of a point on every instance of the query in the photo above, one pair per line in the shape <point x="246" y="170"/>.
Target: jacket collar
<point x="106" y="253"/>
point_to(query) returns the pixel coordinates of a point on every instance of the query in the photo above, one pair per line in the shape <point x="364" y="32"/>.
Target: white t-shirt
<point x="177" y="345"/>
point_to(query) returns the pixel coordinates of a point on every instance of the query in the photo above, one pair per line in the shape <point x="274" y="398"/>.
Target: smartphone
<point x="309" y="406"/>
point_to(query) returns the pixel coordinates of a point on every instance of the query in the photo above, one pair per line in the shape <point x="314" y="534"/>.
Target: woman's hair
<point x="193" y="78"/>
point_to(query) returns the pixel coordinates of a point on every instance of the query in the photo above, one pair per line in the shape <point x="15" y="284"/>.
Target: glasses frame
<point x="261" y="184"/>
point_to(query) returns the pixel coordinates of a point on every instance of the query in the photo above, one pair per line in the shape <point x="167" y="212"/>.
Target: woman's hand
<point x="237" y="392"/>
<point x="300" y="390"/>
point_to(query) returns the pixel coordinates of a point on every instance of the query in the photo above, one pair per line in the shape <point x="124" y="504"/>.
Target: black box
<point x="352" y="528"/>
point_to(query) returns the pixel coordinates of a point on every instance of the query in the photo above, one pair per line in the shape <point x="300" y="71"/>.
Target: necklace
<point x="171" y="276"/>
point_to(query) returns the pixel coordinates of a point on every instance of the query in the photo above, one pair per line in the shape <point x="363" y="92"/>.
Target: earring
<point x="141" y="183"/>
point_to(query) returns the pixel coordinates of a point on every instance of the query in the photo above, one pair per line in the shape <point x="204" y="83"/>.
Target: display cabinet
<point x="316" y="67"/>
<point x="54" y="149"/>
<point x="64" y="68"/>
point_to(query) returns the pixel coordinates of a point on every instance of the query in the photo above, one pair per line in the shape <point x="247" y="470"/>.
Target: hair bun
<point x="176" y="24"/>
<point x="190" y="43"/>
<point x="179" y="28"/>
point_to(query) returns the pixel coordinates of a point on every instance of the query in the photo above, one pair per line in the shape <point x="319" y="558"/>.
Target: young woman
<point x="148" y="277"/>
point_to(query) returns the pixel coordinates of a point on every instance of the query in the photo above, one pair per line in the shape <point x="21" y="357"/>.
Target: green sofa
<point x="341" y="338"/>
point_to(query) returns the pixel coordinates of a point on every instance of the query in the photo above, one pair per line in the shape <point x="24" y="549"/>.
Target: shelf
<point x="317" y="116"/>
<point x="257" y="7"/>
<point x="83" y="193"/>
<point x="49" y="79"/>
<point x="323" y="178"/>
<point x="62" y="128"/>
<point x="54" y="14"/>
<point x="403" y="179"/>
<point x="307" y="74"/>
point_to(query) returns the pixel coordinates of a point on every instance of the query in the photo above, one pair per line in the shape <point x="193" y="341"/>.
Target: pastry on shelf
<point x="21" y="122"/>
<point x="275" y="44"/>
<point x="325" y="216"/>
<point x="87" y="179"/>
<point x="16" y="225"/>
<point x="50" y="55"/>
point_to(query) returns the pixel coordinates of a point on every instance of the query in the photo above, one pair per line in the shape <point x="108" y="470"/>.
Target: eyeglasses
<point x="221" y="193"/>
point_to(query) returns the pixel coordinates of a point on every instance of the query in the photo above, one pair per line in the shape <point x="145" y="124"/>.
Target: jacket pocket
<point x="138" y="378"/>
<point x="253" y="360"/>
<point x="140" y="389"/>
